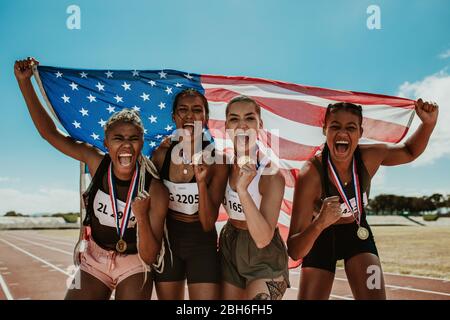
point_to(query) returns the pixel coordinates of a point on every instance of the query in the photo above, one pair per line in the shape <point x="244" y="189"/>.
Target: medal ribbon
<point x="122" y="227"/>
<point x="338" y="184"/>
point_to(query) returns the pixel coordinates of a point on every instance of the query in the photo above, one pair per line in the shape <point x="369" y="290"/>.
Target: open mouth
<point x="125" y="159"/>
<point x="189" y="126"/>
<point x="341" y="146"/>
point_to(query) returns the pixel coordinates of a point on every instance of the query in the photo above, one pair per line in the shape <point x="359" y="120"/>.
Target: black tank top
<point x="165" y="176"/>
<point x="166" y="164"/>
<point x="349" y="189"/>
<point x="99" y="214"/>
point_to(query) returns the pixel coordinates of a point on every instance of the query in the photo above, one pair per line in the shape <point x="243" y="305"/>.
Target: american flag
<point x="83" y="100"/>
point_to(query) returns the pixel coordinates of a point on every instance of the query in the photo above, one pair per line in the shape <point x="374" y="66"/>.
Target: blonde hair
<point x="125" y="116"/>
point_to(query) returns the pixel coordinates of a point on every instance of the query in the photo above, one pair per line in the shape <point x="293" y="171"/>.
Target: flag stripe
<point x="337" y="95"/>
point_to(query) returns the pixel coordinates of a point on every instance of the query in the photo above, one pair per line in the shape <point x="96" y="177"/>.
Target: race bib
<point x="183" y="197"/>
<point x="233" y="205"/>
<point x="104" y="213"/>
<point x="346" y="212"/>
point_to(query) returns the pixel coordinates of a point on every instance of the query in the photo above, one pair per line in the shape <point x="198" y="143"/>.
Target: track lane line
<point x="38" y="237"/>
<point x="5" y="289"/>
<point x="43" y="245"/>
<point x="35" y="257"/>
<point x="406" y="288"/>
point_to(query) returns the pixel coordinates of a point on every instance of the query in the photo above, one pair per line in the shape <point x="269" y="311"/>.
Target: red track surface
<point x="36" y="266"/>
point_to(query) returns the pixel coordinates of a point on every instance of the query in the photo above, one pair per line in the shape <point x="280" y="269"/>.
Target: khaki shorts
<point x="242" y="261"/>
<point x="110" y="267"/>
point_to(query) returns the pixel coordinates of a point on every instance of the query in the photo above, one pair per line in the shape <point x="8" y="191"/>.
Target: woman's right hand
<point x="23" y="68"/>
<point x="330" y="212"/>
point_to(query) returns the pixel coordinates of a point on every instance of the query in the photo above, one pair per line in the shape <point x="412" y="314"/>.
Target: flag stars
<point x="83" y="75"/>
<point x="95" y="136"/>
<point x="65" y="98"/>
<point x="109" y="74"/>
<point x="178" y="85"/>
<point x="188" y="76"/>
<point x="152" y="83"/>
<point x="162" y="105"/>
<point x="145" y="96"/>
<point x="159" y="136"/>
<point x="111" y="109"/>
<point x="76" y="124"/>
<point x="152" y="119"/>
<point x="168" y="128"/>
<point x="100" y="87"/>
<point x="136" y="108"/>
<point x="135" y="73"/>
<point x="168" y="90"/>
<point x="91" y="98"/>
<point x="145" y="131"/>
<point x="84" y="112"/>
<point x="152" y="144"/>
<point x="162" y="74"/>
<point x="118" y="98"/>
<point x="102" y="123"/>
<point x="126" y="86"/>
<point x="59" y="74"/>
<point x="74" y="86"/>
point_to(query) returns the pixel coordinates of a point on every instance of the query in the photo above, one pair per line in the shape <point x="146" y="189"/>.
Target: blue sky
<point x="320" y="43"/>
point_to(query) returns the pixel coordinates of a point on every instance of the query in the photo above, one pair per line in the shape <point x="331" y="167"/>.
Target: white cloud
<point x="435" y="88"/>
<point x="9" y="179"/>
<point x="379" y="180"/>
<point x="41" y="201"/>
<point x="445" y="55"/>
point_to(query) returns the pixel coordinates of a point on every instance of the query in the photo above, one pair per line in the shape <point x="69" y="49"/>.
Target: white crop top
<point x="231" y="201"/>
<point x="183" y="197"/>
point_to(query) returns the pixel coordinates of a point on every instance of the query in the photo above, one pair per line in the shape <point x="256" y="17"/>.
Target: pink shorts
<point x="110" y="267"/>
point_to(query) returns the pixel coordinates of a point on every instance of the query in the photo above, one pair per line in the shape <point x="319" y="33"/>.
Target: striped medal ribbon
<point x="121" y="245"/>
<point x="362" y="232"/>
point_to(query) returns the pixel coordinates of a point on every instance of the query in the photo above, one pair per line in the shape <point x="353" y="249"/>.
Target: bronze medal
<point x="121" y="246"/>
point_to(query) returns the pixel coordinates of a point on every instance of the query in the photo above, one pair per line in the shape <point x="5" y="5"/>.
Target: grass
<point x="417" y="250"/>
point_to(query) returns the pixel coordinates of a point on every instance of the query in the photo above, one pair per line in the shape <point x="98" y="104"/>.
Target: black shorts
<point x="338" y="242"/>
<point x="194" y="254"/>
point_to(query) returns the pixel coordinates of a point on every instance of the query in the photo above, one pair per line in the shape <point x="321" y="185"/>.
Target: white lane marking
<point x="36" y="237"/>
<point x="331" y="295"/>
<point x="5" y="289"/>
<point x="43" y="245"/>
<point x="35" y="257"/>
<point x="42" y="260"/>
<point x="397" y="287"/>
<point x="407" y="288"/>
<point x="411" y="276"/>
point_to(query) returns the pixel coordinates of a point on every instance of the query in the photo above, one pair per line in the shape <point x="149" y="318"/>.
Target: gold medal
<point x="197" y="158"/>
<point x="121" y="246"/>
<point x="362" y="233"/>
<point x="242" y="161"/>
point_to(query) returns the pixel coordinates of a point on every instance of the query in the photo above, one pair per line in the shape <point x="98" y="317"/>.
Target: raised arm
<point x="303" y="230"/>
<point x="416" y="144"/>
<point x="263" y="221"/>
<point x="45" y="125"/>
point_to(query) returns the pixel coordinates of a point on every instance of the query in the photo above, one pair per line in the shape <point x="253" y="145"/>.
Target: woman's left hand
<point x="246" y="175"/>
<point x="141" y="205"/>
<point x="427" y="111"/>
<point x="201" y="172"/>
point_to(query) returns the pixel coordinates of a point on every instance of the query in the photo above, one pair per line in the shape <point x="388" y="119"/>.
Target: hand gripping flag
<point x="83" y="100"/>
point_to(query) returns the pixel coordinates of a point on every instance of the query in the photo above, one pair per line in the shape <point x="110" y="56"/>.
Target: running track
<point x="36" y="266"/>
